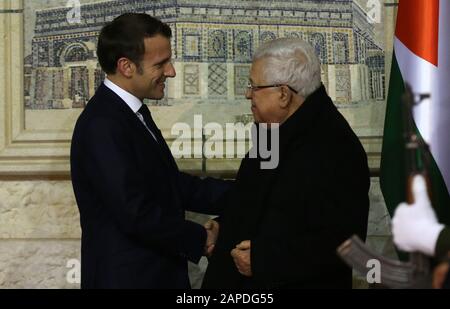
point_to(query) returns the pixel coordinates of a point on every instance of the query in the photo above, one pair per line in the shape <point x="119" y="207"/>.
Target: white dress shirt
<point x="133" y="102"/>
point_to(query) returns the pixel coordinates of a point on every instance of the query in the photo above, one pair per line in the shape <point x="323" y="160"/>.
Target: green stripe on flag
<point x="392" y="168"/>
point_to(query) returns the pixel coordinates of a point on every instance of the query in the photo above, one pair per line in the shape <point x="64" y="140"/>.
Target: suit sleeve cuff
<point x="443" y="243"/>
<point x="194" y="242"/>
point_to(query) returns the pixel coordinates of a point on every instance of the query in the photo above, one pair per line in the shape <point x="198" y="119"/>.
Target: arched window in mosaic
<point x="376" y="77"/>
<point x="242" y="46"/>
<point x="293" y="34"/>
<point x="266" y="36"/>
<point x="318" y="42"/>
<point x="99" y="76"/>
<point x="340" y="48"/>
<point x="191" y="45"/>
<point x="363" y="51"/>
<point x="79" y="87"/>
<point x="358" y="53"/>
<point x="42" y="51"/>
<point x="76" y="53"/>
<point x="59" y="48"/>
<point x="217" y="47"/>
<point x="42" y="95"/>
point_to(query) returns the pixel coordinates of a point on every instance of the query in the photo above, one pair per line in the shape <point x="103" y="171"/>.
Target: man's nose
<point x="248" y="93"/>
<point x="170" y="70"/>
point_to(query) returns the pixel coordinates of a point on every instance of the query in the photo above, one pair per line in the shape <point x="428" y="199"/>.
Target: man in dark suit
<point x="282" y="226"/>
<point x="129" y="191"/>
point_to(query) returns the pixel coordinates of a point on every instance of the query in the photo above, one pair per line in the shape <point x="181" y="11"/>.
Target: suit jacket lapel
<point x="126" y="112"/>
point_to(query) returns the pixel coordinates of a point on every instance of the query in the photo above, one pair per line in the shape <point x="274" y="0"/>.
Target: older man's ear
<point x="285" y="97"/>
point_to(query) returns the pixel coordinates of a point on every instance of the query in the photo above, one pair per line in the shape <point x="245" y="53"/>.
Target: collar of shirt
<point x="133" y="102"/>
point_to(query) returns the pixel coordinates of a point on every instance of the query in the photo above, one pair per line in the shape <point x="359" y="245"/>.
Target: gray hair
<point x="290" y="61"/>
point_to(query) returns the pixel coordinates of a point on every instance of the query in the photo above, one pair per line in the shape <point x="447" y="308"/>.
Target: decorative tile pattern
<point x="318" y="42"/>
<point x="340" y="48"/>
<point x="43" y="83"/>
<point x="217" y="46"/>
<point x="191" y="46"/>
<point x="43" y="55"/>
<point x="267" y="36"/>
<point x="75" y="53"/>
<point x="243" y="47"/>
<point x="58" y="85"/>
<point x="376" y="76"/>
<point x="191" y="79"/>
<point x="293" y="34"/>
<point x="342" y="83"/>
<point x="79" y="87"/>
<point x="217" y="80"/>
<point x="324" y="75"/>
<point x="99" y="76"/>
<point x="241" y="74"/>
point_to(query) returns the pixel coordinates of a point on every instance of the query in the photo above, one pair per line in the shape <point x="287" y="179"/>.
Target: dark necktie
<point x="151" y="125"/>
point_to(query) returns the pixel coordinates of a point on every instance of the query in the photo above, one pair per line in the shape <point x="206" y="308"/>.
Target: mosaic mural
<point x="213" y="42"/>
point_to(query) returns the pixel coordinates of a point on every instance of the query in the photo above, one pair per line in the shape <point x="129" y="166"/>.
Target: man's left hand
<point x="212" y="230"/>
<point x="241" y="257"/>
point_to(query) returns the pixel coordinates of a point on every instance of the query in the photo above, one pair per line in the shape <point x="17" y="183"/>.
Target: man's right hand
<point x="212" y="232"/>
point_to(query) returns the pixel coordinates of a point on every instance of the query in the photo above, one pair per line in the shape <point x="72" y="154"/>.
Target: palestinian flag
<point x="422" y="59"/>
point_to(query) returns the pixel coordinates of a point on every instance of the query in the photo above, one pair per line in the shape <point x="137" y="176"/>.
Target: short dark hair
<point x="124" y="37"/>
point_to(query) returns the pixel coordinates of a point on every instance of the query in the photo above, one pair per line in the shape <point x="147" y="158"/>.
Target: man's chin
<point x="156" y="96"/>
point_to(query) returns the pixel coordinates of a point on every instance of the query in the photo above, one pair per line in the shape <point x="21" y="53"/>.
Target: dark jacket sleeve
<point x="203" y="195"/>
<point x="443" y="243"/>
<point x="130" y="199"/>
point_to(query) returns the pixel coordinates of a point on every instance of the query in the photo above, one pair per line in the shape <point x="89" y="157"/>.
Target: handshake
<point x="240" y="254"/>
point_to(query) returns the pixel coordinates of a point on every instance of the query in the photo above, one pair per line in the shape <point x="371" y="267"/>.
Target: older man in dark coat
<point x="282" y="226"/>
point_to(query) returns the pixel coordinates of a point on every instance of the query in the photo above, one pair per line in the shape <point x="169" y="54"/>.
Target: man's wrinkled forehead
<point x="257" y="70"/>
